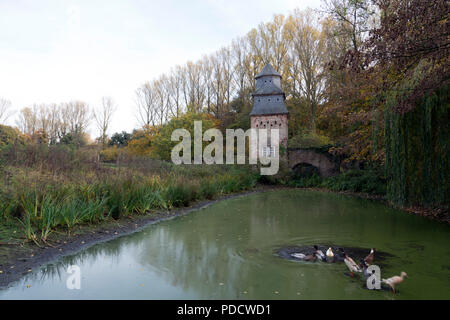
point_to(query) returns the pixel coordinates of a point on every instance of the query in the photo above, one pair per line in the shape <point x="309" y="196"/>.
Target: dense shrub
<point x="309" y="140"/>
<point x="366" y="181"/>
<point x="110" y="154"/>
<point x="10" y="135"/>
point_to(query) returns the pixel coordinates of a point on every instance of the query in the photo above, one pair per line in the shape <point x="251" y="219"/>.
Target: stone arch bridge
<point x="316" y="161"/>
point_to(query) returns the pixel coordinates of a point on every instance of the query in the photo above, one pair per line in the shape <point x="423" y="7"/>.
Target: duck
<point x="370" y="256"/>
<point x="351" y="265"/>
<point x="330" y="255"/>
<point x="339" y="256"/>
<point x="310" y="257"/>
<point x="298" y="255"/>
<point x="319" y="254"/>
<point x="393" y="281"/>
<point x="364" y="266"/>
<point x="305" y="257"/>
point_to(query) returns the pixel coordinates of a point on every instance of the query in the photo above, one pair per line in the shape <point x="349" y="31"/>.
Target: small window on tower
<point x="275" y="121"/>
<point x="269" y="99"/>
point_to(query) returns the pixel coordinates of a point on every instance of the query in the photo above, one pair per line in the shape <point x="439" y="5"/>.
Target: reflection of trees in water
<point x="230" y="242"/>
<point x="50" y="271"/>
<point x="202" y="248"/>
<point x="210" y="247"/>
<point x="101" y="252"/>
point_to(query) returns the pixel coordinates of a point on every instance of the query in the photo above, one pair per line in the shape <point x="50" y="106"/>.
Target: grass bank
<point x="56" y="189"/>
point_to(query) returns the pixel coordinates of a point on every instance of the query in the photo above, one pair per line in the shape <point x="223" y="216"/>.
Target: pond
<point x="230" y="250"/>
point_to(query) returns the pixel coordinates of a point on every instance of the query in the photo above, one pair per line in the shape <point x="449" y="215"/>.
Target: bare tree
<point x="308" y="47"/>
<point x="354" y="17"/>
<point x="103" y="117"/>
<point x="296" y="45"/>
<point x="76" y="113"/>
<point x="43" y="118"/>
<point x="145" y="102"/>
<point x="28" y="120"/>
<point x="174" y="83"/>
<point x="54" y="122"/>
<point x="239" y="52"/>
<point x="228" y="72"/>
<point x="161" y="99"/>
<point x="206" y="69"/>
<point x="5" y="110"/>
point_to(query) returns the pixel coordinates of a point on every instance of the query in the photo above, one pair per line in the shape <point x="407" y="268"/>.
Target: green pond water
<point x="229" y="250"/>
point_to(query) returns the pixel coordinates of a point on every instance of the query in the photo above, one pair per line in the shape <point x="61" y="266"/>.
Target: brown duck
<point x="370" y="256"/>
<point x="310" y="257"/>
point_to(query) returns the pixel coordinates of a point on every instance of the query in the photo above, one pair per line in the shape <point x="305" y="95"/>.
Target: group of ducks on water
<point x="330" y="256"/>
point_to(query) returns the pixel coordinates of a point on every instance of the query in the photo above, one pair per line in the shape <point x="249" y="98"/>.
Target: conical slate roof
<point x="268" y="88"/>
<point x="264" y="108"/>
<point x="268" y="97"/>
<point x="268" y="70"/>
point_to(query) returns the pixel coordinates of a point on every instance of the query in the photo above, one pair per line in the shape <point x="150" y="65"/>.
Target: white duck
<point x="330" y="255"/>
<point x="395" y="280"/>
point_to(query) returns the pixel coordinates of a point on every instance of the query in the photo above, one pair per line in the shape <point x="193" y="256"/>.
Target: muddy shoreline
<point x="21" y="264"/>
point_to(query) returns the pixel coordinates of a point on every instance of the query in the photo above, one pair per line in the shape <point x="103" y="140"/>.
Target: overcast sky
<point x="59" y="50"/>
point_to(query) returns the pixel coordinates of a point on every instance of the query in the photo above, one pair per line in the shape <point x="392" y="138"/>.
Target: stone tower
<point x="269" y="110"/>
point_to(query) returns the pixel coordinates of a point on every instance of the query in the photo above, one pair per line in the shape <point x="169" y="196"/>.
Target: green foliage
<point x="75" y="139"/>
<point x="110" y="154"/>
<point x="313" y="181"/>
<point x="418" y="151"/>
<point x="10" y="135"/>
<point x="162" y="141"/>
<point x="208" y="190"/>
<point x="365" y="181"/>
<point x="309" y="140"/>
<point x="120" y="139"/>
<point x="239" y="115"/>
<point x="299" y="115"/>
<point x="180" y="195"/>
